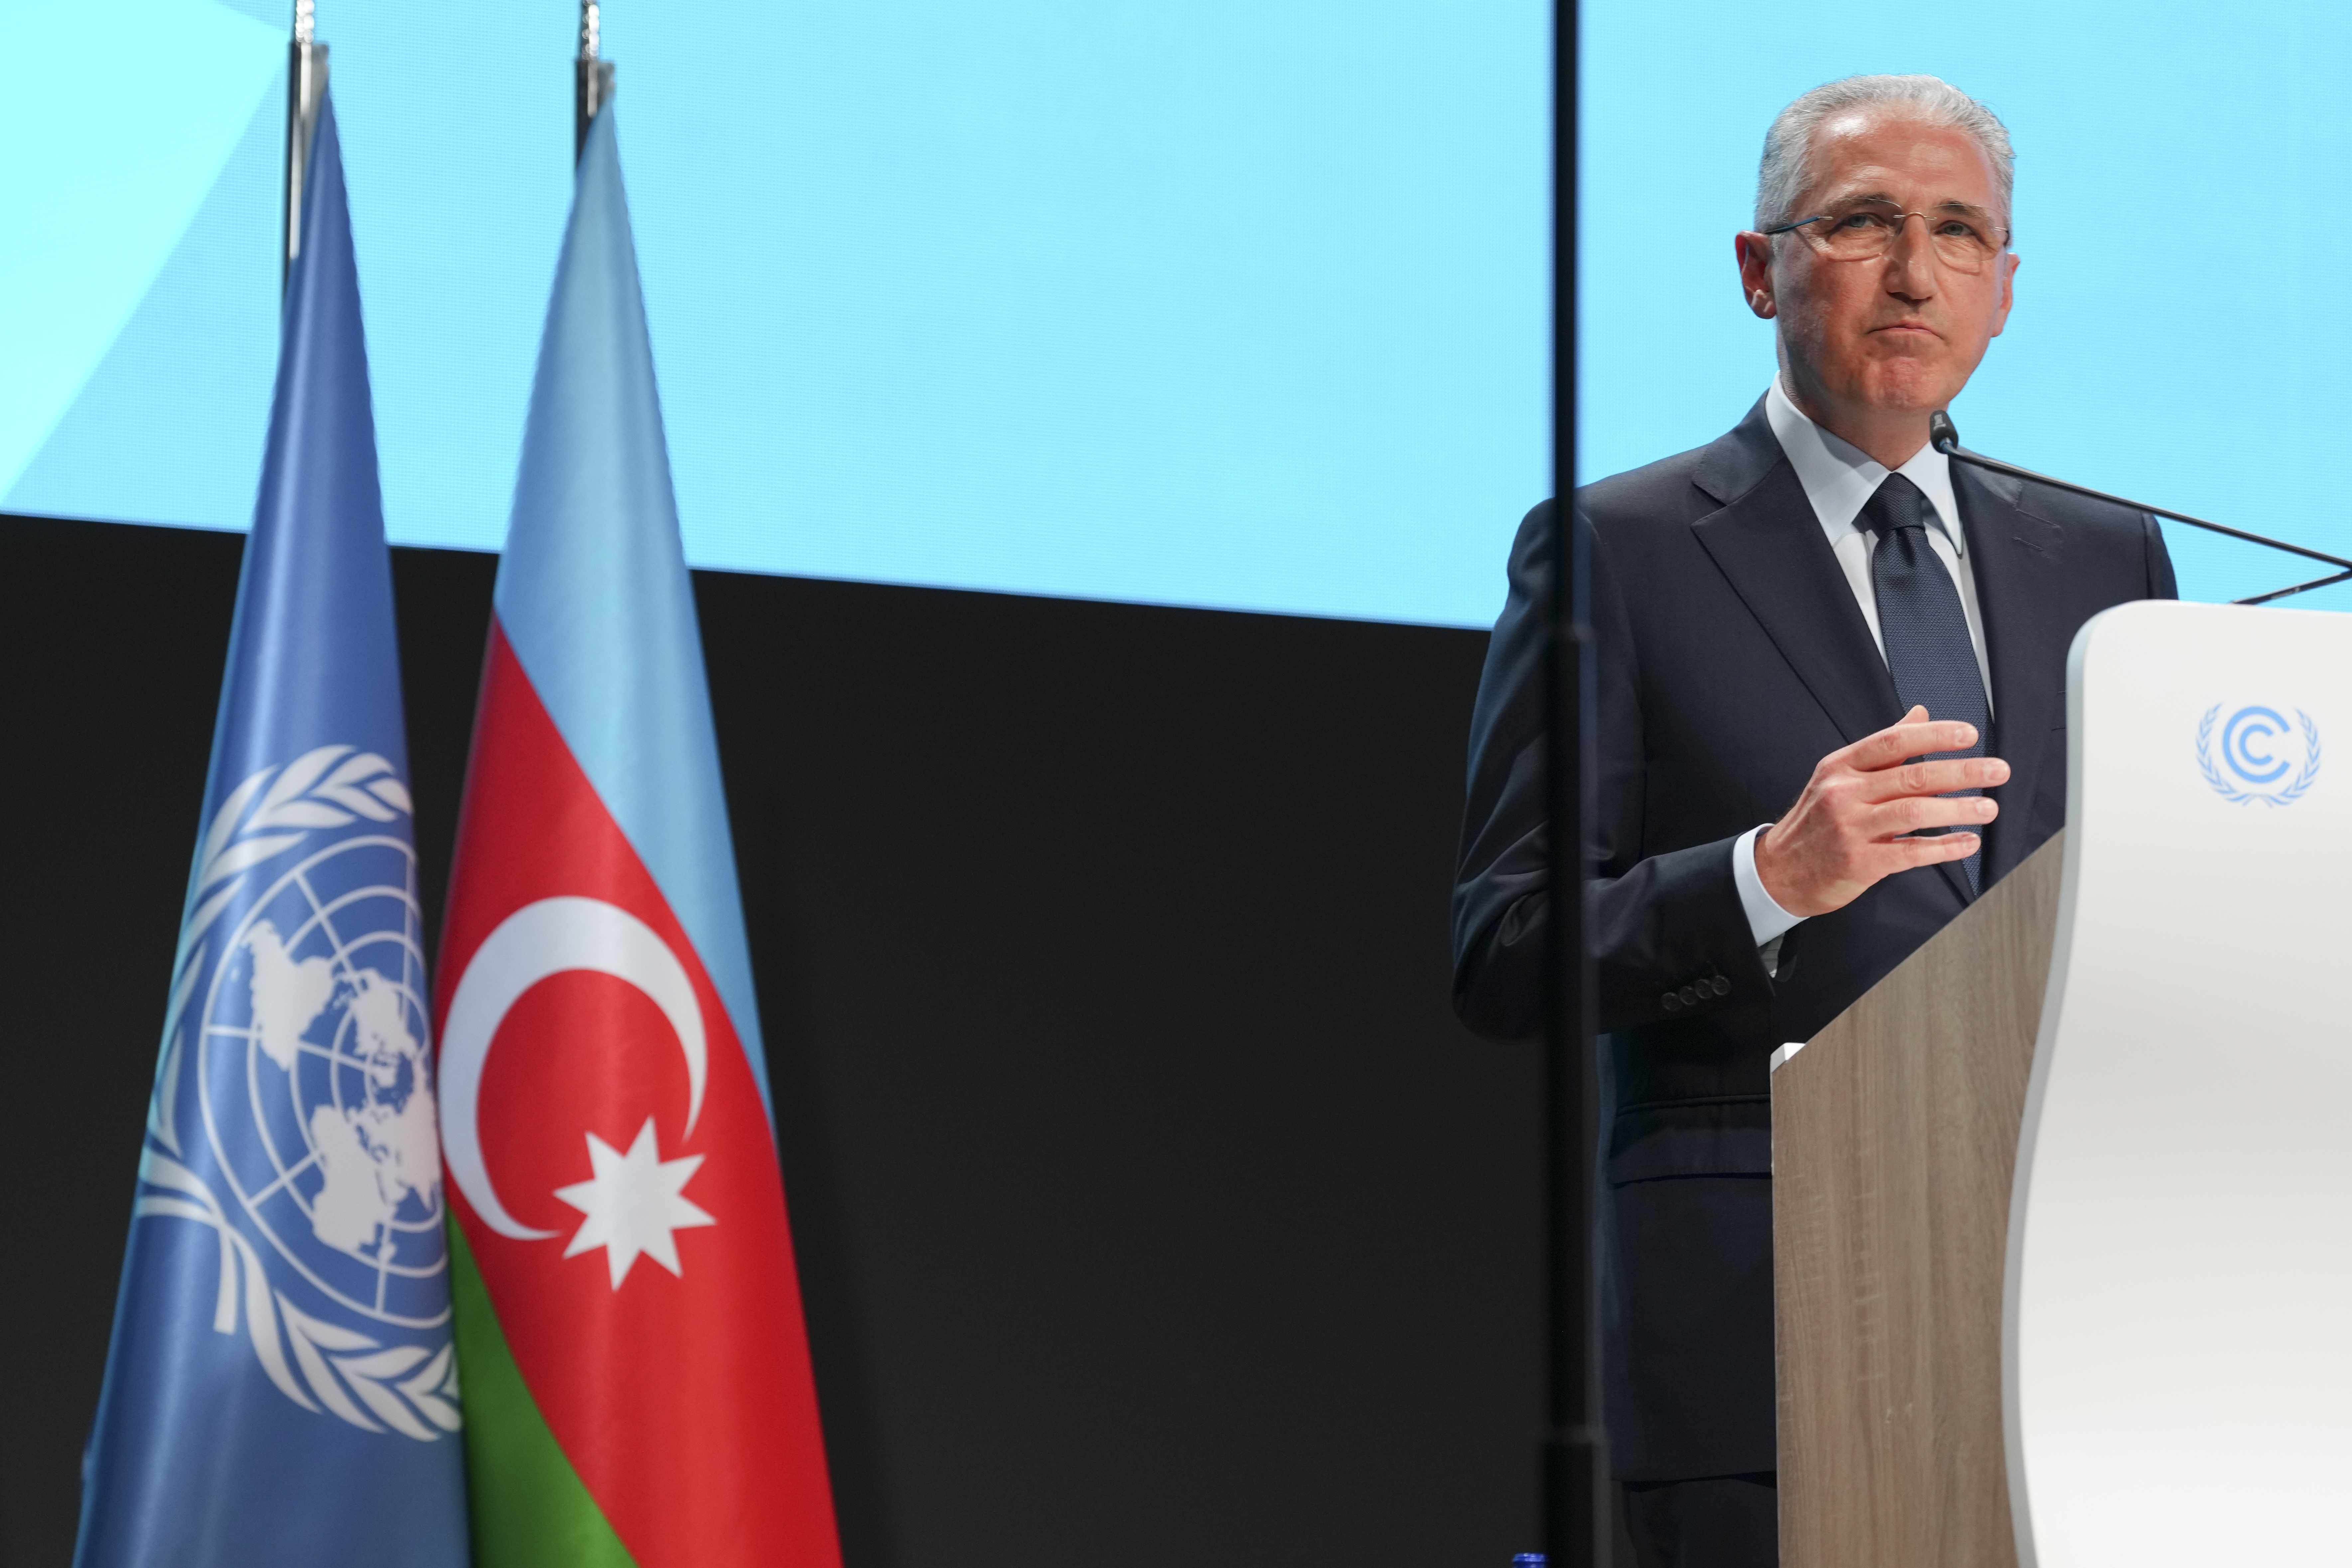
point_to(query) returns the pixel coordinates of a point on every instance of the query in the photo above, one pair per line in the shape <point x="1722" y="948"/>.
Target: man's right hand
<point x="1846" y="830"/>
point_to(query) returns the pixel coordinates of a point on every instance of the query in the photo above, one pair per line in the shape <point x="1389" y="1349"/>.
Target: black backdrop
<point x="1151" y="1205"/>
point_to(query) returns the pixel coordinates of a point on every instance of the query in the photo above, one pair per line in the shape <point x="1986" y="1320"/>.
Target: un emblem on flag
<point x="300" y="1025"/>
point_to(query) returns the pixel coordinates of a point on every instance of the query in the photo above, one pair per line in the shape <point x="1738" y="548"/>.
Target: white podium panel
<point x="2176" y="1339"/>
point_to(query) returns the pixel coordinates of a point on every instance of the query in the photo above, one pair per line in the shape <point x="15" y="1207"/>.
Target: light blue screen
<point x="1221" y="304"/>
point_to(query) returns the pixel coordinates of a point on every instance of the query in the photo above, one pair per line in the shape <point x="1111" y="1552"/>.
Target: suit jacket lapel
<point x="2019" y="561"/>
<point x="1768" y="541"/>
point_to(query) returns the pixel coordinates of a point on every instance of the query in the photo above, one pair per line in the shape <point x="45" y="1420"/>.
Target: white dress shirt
<point x="1839" y="480"/>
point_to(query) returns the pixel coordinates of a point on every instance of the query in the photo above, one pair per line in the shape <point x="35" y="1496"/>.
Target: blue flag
<point x="281" y="1390"/>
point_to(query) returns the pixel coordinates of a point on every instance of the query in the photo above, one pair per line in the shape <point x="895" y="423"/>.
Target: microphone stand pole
<point x="1946" y="440"/>
<point x="1577" y="1520"/>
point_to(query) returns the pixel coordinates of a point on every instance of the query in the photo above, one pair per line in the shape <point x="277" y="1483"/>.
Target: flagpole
<point x="591" y="79"/>
<point x="306" y="87"/>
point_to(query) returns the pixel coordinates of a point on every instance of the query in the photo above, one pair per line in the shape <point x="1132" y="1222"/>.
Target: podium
<point x="2063" y="1207"/>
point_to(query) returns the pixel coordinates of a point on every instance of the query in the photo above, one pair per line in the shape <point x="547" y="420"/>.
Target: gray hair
<point x="1781" y="178"/>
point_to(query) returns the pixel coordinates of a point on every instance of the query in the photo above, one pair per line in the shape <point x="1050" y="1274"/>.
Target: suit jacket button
<point x="1671" y="1002"/>
<point x="1722" y="986"/>
<point x="1689" y="994"/>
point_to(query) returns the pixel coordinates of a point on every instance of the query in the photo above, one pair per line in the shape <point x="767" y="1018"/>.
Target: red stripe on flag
<point x="685" y="1401"/>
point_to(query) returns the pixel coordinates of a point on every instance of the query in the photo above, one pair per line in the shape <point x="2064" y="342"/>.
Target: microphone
<point x="1946" y="440"/>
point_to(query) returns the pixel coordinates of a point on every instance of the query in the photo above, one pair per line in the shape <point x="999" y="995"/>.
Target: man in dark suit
<point x="1807" y="632"/>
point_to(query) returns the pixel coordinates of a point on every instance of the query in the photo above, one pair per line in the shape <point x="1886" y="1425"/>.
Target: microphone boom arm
<point x="1946" y="440"/>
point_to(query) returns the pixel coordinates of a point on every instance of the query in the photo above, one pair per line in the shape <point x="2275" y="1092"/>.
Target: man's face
<point x="1901" y="332"/>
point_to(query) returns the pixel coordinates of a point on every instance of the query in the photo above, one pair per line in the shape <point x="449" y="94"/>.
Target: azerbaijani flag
<point x="629" y="1330"/>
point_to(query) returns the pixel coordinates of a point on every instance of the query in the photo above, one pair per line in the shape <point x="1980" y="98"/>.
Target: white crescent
<point x="552" y="936"/>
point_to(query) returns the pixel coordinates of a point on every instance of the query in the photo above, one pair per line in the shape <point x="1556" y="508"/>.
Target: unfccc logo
<point x="2258" y="749"/>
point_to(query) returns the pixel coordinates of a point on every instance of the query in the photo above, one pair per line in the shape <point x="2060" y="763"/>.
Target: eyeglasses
<point x="1964" y="237"/>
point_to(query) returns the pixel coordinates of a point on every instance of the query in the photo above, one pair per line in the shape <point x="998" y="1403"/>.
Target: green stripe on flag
<point x="530" y="1507"/>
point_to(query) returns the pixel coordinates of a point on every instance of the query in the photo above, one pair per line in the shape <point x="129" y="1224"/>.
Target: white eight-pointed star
<point x="633" y="1204"/>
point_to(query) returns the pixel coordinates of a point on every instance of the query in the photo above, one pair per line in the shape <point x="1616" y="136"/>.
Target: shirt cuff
<point x="1766" y="918"/>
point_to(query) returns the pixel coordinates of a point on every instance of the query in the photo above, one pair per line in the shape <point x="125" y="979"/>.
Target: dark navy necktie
<point x="1922" y="624"/>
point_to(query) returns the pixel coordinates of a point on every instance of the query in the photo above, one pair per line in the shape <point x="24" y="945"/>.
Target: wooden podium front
<point x="1895" y="1135"/>
<point x="2062" y="1280"/>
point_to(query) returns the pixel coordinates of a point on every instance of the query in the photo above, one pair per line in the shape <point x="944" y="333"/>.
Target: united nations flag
<point x="281" y="1387"/>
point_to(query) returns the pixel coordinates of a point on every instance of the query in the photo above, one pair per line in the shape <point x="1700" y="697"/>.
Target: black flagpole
<point x="306" y="86"/>
<point x="591" y="79"/>
<point x="1577" y="1520"/>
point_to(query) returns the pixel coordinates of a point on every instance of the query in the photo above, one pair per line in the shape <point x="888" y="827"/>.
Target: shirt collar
<point x="1839" y="478"/>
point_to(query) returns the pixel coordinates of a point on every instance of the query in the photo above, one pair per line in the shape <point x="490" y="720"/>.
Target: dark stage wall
<point x="1151" y="1206"/>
